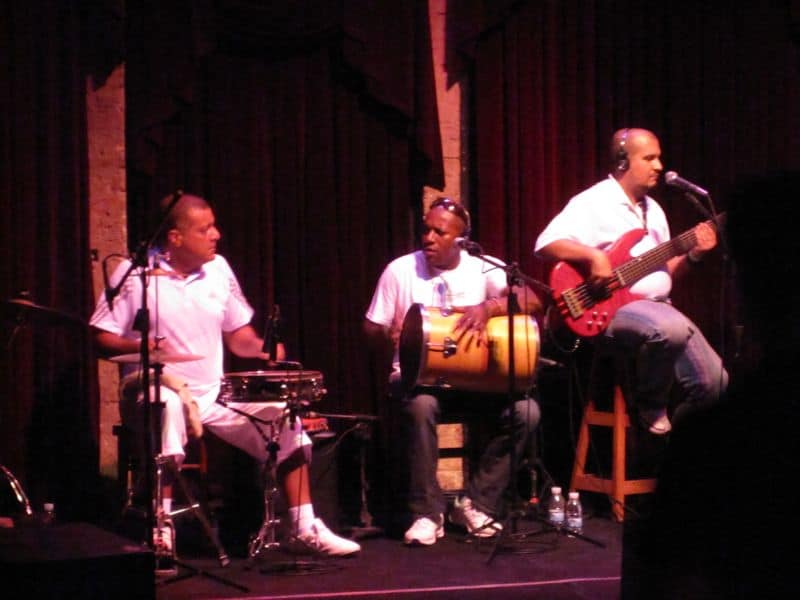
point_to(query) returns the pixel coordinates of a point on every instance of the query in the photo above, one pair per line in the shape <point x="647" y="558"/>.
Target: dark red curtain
<point x="311" y="127"/>
<point x="552" y="80"/>
<point x="48" y="400"/>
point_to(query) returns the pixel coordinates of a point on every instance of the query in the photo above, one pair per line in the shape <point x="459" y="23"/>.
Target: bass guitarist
<point x="589" y="236"/>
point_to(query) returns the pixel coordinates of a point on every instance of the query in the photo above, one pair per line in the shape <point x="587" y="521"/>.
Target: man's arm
<point x="706" y="241"/>
<point x="592" y="261"/>
<point x="246" y="343"/>
<point x="379" y="337"/>
<point x="110" y="344"/>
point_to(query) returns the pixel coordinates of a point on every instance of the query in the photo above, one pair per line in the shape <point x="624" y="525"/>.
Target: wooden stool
<point x="617" y="486"/>
<point x="453" y="467"/>
<point x="128" y="462"/>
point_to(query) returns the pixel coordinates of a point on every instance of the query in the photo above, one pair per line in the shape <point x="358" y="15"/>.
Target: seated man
<point x="665" y="344"/>
<point x="442" y="275"/>
<point x="196" y="308"/>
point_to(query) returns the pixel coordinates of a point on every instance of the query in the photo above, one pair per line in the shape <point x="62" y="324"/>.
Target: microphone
<point x="110" y="293"/>
<point x="675" y="180"/>
<point x="472" y="248"/>
<point x="272" y="333"/>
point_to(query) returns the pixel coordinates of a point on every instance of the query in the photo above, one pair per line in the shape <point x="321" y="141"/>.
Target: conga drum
<point x="432" y="354"/>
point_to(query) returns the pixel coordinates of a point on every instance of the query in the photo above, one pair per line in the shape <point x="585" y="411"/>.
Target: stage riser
<point x="75" y="560"/>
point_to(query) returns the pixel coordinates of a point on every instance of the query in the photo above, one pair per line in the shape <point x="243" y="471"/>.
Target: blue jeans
<point x="490" y="479"/>
<point x="668" y="349"/>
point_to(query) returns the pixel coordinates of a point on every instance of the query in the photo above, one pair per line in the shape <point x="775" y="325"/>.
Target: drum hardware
<point x="23" y="309"/>
<point x="266" y="537"/>
<point x="156" y="356"/>
<point x="296" y="389"/>
<point x="448" y="347"/>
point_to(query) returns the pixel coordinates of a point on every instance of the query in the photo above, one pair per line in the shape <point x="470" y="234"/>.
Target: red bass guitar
<point x="587" y="310"/>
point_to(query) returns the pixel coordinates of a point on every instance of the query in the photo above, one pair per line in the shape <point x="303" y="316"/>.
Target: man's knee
<point x="421" y="408"/>
<point x="528" y="413"/>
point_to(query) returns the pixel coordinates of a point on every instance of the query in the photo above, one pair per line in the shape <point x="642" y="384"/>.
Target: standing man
<point x="666" y="345"/>
<point x="442" y="275"/>
<point x="196" y="307"/>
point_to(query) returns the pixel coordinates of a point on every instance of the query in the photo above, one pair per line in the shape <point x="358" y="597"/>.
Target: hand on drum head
<point x="472" y="324"/>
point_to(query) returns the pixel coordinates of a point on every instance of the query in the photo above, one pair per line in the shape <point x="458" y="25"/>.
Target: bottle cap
<point x="555" y="490"/>
<point x="49" y="507"/>
<point x="573" y="495"/>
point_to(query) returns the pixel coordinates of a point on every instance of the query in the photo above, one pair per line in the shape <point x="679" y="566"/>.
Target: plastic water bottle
<point x="555" y="507"/>
<point x="574" y="513"/>
<point x="48" y="514"/>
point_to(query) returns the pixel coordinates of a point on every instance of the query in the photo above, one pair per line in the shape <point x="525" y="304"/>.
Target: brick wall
<point x="105" y="108"/>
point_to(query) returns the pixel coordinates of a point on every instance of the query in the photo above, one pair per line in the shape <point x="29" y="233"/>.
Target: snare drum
<point x="273" y="386"/>
<point x="431" y="354"/>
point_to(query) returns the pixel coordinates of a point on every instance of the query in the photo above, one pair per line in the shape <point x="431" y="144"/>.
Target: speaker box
<point x="74" y="560"/>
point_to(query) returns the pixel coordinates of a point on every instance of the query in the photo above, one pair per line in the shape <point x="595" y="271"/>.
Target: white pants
<point x="271" y="423"/>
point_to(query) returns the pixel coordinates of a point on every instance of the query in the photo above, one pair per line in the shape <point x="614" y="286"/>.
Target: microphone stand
<point x="514" y="277"/>
<point x="142" y="325"/>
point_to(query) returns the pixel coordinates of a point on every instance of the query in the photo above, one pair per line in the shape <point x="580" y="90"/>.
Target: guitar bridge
<point x="571" y="302"/>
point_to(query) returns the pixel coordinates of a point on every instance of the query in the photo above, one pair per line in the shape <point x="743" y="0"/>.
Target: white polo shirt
<point x="409" y="280"/>
<point x="599" y="216"/>
<point x="191" y="313"/>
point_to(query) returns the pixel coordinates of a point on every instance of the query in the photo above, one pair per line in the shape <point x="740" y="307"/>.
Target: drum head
<point x="277" y="375"/>
<point x="412" y="340"/>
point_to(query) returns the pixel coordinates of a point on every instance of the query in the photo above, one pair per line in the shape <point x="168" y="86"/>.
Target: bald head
<point x="624" y="142"/>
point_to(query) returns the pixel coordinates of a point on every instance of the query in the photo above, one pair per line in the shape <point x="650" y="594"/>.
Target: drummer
<point x="441" y="274"/>
<point x="196" y="308"/>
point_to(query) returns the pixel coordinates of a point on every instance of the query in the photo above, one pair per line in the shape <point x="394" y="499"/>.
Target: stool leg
<point x="579" y="467"/>
<point x="619" y="475"/>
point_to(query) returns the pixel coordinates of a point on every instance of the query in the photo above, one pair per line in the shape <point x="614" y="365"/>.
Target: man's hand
<point x="706" y="239"/>
<point x="473" y="324"/>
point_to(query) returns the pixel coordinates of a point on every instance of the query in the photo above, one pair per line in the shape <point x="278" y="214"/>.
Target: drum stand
<point x="266" y="537"/>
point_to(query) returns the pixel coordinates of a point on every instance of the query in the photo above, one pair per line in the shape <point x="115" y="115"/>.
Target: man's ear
<point x="174" y="238"/>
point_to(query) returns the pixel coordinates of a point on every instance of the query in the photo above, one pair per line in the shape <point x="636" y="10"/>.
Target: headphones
<point x="457" y="209"/>
<point x="622" y="153"/>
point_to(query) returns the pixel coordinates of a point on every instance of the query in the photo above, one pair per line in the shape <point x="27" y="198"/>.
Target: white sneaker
<point x="318" y="539"/>
<point x="476" y="522"/>
<point x="656" y="420"/>
<point x="424" y="531"/>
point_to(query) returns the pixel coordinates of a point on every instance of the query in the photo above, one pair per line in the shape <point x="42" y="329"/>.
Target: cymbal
<point x="156" y="357"/>
<point x="25" y="308"/>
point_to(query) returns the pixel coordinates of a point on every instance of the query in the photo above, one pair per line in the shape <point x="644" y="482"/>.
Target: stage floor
<point x="536" y="562"/>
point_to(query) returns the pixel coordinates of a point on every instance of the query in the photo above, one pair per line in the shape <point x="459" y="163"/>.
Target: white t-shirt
<point x="191" y="313"/>
<point x="600" y="215"/>
<point x="409" y="280"/>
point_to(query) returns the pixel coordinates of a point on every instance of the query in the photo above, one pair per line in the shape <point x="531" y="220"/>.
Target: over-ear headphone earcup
<point x="622" y="153"/>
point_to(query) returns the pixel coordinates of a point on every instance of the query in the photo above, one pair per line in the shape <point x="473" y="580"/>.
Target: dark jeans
<point x="421" y="409"/>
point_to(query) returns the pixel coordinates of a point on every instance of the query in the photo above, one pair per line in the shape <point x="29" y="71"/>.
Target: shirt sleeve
<point x="384" y="300"/>
<point x="117" y="316"/>
<point x="238" y="311"/>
